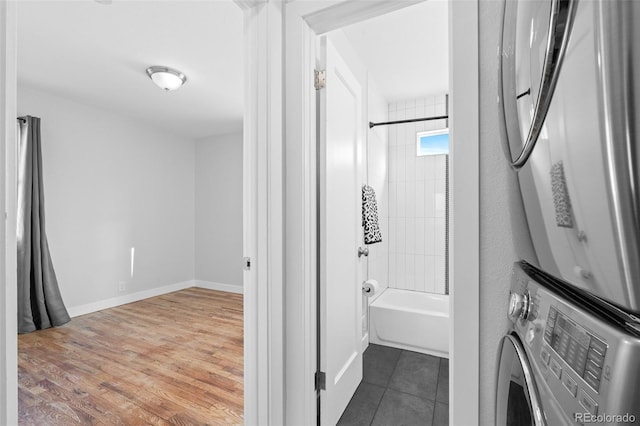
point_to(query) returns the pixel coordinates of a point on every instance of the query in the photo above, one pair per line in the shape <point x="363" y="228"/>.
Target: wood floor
<point x="173" y="359"/>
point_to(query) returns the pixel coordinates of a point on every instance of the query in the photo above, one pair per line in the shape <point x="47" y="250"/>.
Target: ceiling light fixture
<point x="166" y="78"/>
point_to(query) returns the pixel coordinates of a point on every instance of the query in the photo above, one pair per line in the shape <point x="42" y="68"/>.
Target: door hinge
<point x="321" y="380"/>
<point x="319" y="79"/>
<point x="247" y="263"/>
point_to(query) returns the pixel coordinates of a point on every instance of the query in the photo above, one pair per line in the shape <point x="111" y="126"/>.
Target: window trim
<point x="423" y="133"/>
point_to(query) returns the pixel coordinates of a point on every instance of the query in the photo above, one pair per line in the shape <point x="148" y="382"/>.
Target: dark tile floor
<point x="400" y="388"/>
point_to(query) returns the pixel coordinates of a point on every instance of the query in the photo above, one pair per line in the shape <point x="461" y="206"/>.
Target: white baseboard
<point x="88" y="308"/>
<point x="231" y="288"/>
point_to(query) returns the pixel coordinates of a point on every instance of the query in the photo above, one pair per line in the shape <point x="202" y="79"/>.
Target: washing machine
<point x="569" y="358"/>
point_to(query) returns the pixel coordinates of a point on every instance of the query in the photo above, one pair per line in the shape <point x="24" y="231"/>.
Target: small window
<point x="434" y="142"/>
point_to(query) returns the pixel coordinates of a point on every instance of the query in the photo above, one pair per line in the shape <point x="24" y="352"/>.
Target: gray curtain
<point x="39" y="302"/>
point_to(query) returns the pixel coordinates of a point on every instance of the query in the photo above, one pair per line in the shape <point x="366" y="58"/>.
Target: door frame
<point x="262" y="213"/>
<point x="263" y="218"/>
<point x="304" y="21"/>
<point x="8" y="204"/>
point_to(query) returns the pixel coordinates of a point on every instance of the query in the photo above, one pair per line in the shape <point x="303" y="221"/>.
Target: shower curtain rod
<point x="412" y="120"/>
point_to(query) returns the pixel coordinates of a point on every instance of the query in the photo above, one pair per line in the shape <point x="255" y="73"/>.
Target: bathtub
<point x="411" y="320"/>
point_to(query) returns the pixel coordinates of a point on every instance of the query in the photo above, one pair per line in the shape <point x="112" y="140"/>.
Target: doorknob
<point x="363" y="251"/>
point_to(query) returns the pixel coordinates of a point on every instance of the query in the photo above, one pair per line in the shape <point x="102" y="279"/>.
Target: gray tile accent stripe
<point x="446" y="225"/>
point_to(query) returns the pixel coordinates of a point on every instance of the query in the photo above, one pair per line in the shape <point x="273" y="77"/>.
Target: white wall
<point x="112" y="184"/>
<point x="218" y="209"/>
<point x="377" y="177"/>
<point x="377" y="164"/>
<point x="417" y="200"/>
<point x="374" y="108"/>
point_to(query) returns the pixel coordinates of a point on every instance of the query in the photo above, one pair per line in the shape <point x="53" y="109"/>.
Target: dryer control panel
<point x="584" y="364"/>
<point x="579" y="349"/>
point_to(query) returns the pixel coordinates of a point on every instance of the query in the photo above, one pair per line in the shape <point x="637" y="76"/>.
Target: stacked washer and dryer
<point x="570" y="103"/>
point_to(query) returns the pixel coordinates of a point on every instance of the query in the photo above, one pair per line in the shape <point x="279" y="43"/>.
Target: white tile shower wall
<point x="417" y="200"/>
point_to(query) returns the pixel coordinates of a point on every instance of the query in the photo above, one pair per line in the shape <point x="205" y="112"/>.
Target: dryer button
<point x="592" y="381"/>
<point x="545" y="357"/>
<point x="555" y="368"/>
<point x="588" y="403"/>
<point x="570" y="384"/>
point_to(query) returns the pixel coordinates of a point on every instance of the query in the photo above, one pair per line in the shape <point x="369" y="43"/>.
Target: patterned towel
<point x="372" y="233"/>
<point x="561" y="200"/>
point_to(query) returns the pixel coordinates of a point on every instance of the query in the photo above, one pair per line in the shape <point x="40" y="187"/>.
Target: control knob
<point x="531" y="334"/>
<point x="519" y="306"/>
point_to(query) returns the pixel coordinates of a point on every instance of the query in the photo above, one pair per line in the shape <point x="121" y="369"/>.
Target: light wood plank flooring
<point x="173" y="359"/>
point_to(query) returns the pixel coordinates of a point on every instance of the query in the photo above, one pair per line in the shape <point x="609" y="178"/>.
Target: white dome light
<point x="166" y="78"/>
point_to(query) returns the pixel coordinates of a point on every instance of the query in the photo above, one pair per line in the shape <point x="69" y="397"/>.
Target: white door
<point x="341" y="270"/>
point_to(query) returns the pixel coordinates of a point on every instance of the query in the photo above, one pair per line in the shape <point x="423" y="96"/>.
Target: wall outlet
<point x="122" y="286"/>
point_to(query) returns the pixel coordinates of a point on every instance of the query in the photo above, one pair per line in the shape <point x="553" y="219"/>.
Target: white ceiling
<point x="97" y="54"/>
<point x="407" y="51"/>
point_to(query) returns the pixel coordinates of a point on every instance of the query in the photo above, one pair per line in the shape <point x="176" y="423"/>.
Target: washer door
<point x="517" y="398"/>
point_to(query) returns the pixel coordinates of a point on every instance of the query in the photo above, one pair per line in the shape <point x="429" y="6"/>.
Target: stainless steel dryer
<point x="569" y="359"/>
<point x="569" y="95"/>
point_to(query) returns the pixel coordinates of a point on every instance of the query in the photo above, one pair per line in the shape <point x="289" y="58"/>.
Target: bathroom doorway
<point x="300" y="55"/>
<point x="401" y="140"/>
